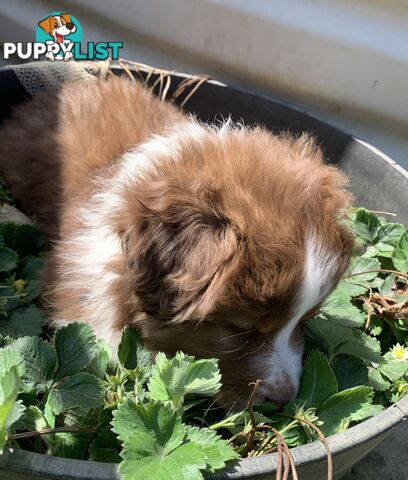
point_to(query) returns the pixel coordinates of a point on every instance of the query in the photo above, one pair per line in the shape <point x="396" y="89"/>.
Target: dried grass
<point x="161" y="80"/>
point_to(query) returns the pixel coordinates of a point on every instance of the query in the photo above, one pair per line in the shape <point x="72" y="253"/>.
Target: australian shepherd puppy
<point x="215" y="241"/>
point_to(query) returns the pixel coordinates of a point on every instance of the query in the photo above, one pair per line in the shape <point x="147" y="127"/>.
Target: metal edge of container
<point x="25" y="465"/>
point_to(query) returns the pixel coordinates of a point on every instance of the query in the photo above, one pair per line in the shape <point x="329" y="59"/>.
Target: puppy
<point x="215" y="241"/>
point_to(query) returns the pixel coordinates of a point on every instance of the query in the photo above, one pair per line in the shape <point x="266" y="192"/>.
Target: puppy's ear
<point x="47" y="24"/>
<point x="181" y="251"/>
<point x="66" y="17"/>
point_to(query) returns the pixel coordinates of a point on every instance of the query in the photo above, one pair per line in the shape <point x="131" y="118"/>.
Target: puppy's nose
<point x="280" y="395"/>
<point x="70" y="26"/>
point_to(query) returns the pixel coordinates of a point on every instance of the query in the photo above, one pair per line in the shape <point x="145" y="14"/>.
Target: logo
<point x="59" y="36"/>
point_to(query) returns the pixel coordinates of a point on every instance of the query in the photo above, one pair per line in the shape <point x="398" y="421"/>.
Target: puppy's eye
<point x="56" y="25"/>
<point x="264" y="326"/>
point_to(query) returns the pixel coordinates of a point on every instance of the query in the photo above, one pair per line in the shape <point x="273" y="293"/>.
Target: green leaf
<point x="366" y="412"/>
<point x="9" y="387"/>
<point x="32" y="420"/>
<point x="76" y="347"/>
<point x="173" y="379"/>
<point x="376" y="283"/>
<point x="215" y="449"/>
<point x="318" y="381"/>
<point x="40" y="361"/>
<point x="381" y="237"/>
<point x="376" y="379"/>
<point x="23" y="239"/>
<point x="328" y="336"/>
<point x="363" y="346"/>
<point x="387" y="288"/>
<point x="77" y="395"/>
<point x="390" y="234"/>
<point x="361" y="264"/>
<point x="30" y="272"/>
<point x="125" y="419"/>
<point x="393" y="369"/>
<point x="351" y="287"/>
<point x="9" y="300"/>
<point x="338" y="410"/>
<point x="335" y="339"/>
<point x="366" y="226"/>
<point x="131" y="352"/>
<point x="400" y="257"/>
<point x="8" y="259"/>
<point x="101" y="360"/>
<point x="379" y="250"/>
<point x="338" y="308"/>
<point x="350" y="372"/>
<point x="241" y="421"/>
<point x="70" y="445"/>
<point x="376" y="326"/>
<point x="142" y="458"/>
<point x="105" y="446"/>
<point x="6" y="341"/>
<point x="21" y="322"/>
<point x="48" y="415"/>
<point x="160" y="447"/>
<point x="16" y="412"/>
<point x="155" y="419"/>
<point x="10" y="358"/>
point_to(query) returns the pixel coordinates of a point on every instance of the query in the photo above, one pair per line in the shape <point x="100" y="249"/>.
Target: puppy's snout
<point x="70" y="26"/>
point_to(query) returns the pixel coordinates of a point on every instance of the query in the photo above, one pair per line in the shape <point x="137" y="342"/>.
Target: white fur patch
<point x="285" y="360"/>
<point x="141" y="158"/>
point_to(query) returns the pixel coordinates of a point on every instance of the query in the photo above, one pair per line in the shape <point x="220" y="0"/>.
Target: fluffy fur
<point x="217" y="242"/>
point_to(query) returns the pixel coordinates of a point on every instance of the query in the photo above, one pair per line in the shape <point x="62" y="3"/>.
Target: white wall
<point x="342" y="60"/>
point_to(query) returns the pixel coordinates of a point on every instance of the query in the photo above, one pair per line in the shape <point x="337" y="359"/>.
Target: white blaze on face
<point x="285" y="359"/>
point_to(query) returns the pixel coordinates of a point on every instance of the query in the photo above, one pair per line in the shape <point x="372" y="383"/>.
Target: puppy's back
<point x="55" y="142"/>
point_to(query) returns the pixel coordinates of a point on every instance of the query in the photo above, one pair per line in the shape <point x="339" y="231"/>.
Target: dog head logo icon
<point x="59" y="31"/>
<point x="58" y="26"/>
<point x="58" y="36"/>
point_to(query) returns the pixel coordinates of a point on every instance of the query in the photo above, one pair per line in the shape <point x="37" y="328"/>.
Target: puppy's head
<point x="58" y="25"/>
<point x="232" y="238"/>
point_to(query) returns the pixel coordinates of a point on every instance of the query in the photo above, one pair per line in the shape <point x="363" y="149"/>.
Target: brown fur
<point x="213" y="244"/>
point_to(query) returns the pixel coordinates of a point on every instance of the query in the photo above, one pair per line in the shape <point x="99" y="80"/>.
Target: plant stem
<point x="322" y="438"/>
<point x="250" y="442"/>
<point x="379" y="212"/>
<point x="280" y="456"/>
<point x="46" y="431"/>
<point x="289" y="462"/>
<point x="377" y="270"/>
<point x="269" y="440"/>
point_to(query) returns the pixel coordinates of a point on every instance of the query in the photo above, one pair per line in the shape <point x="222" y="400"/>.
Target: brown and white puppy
<point x="214" y="241"/>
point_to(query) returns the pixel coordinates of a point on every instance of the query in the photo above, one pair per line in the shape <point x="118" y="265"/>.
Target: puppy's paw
<point x="68" y="56"/>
